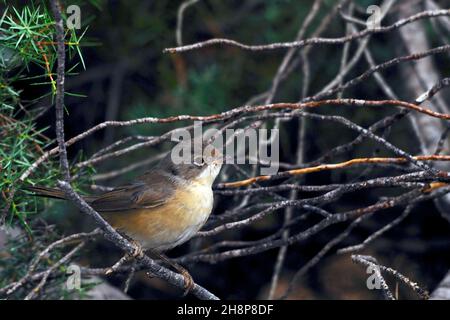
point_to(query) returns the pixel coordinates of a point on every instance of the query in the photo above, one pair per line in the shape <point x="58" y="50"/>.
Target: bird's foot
<point x="138" y="251"/>
<point x="188" y="281"/>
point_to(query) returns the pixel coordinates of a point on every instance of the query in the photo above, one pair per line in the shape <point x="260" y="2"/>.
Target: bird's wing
<point x="152" y="190"/>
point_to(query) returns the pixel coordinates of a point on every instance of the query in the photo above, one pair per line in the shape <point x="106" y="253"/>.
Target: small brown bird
<point x="163" y="208"/>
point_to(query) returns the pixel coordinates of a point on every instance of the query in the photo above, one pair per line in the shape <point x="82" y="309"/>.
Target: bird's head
<point x="203" y="166"/>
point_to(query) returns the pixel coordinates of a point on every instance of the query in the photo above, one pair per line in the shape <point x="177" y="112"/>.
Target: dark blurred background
<point x="127" y="76"/>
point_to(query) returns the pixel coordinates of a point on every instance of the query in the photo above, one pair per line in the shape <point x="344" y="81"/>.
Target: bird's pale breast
<point x="171" y="224"/>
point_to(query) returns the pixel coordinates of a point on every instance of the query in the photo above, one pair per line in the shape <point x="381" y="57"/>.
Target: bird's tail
<point x="46" y="192"/>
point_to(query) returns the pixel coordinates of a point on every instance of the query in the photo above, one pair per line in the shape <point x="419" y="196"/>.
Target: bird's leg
<point x="138" y="251"/>
<point x="188" y="281"/>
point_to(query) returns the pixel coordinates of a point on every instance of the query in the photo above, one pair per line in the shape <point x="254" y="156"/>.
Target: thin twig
<point x="310" y="41"/>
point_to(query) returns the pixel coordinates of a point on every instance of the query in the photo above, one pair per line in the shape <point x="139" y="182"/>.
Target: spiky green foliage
<point x="27" y="59"/>
<point x="27" y="39"/>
